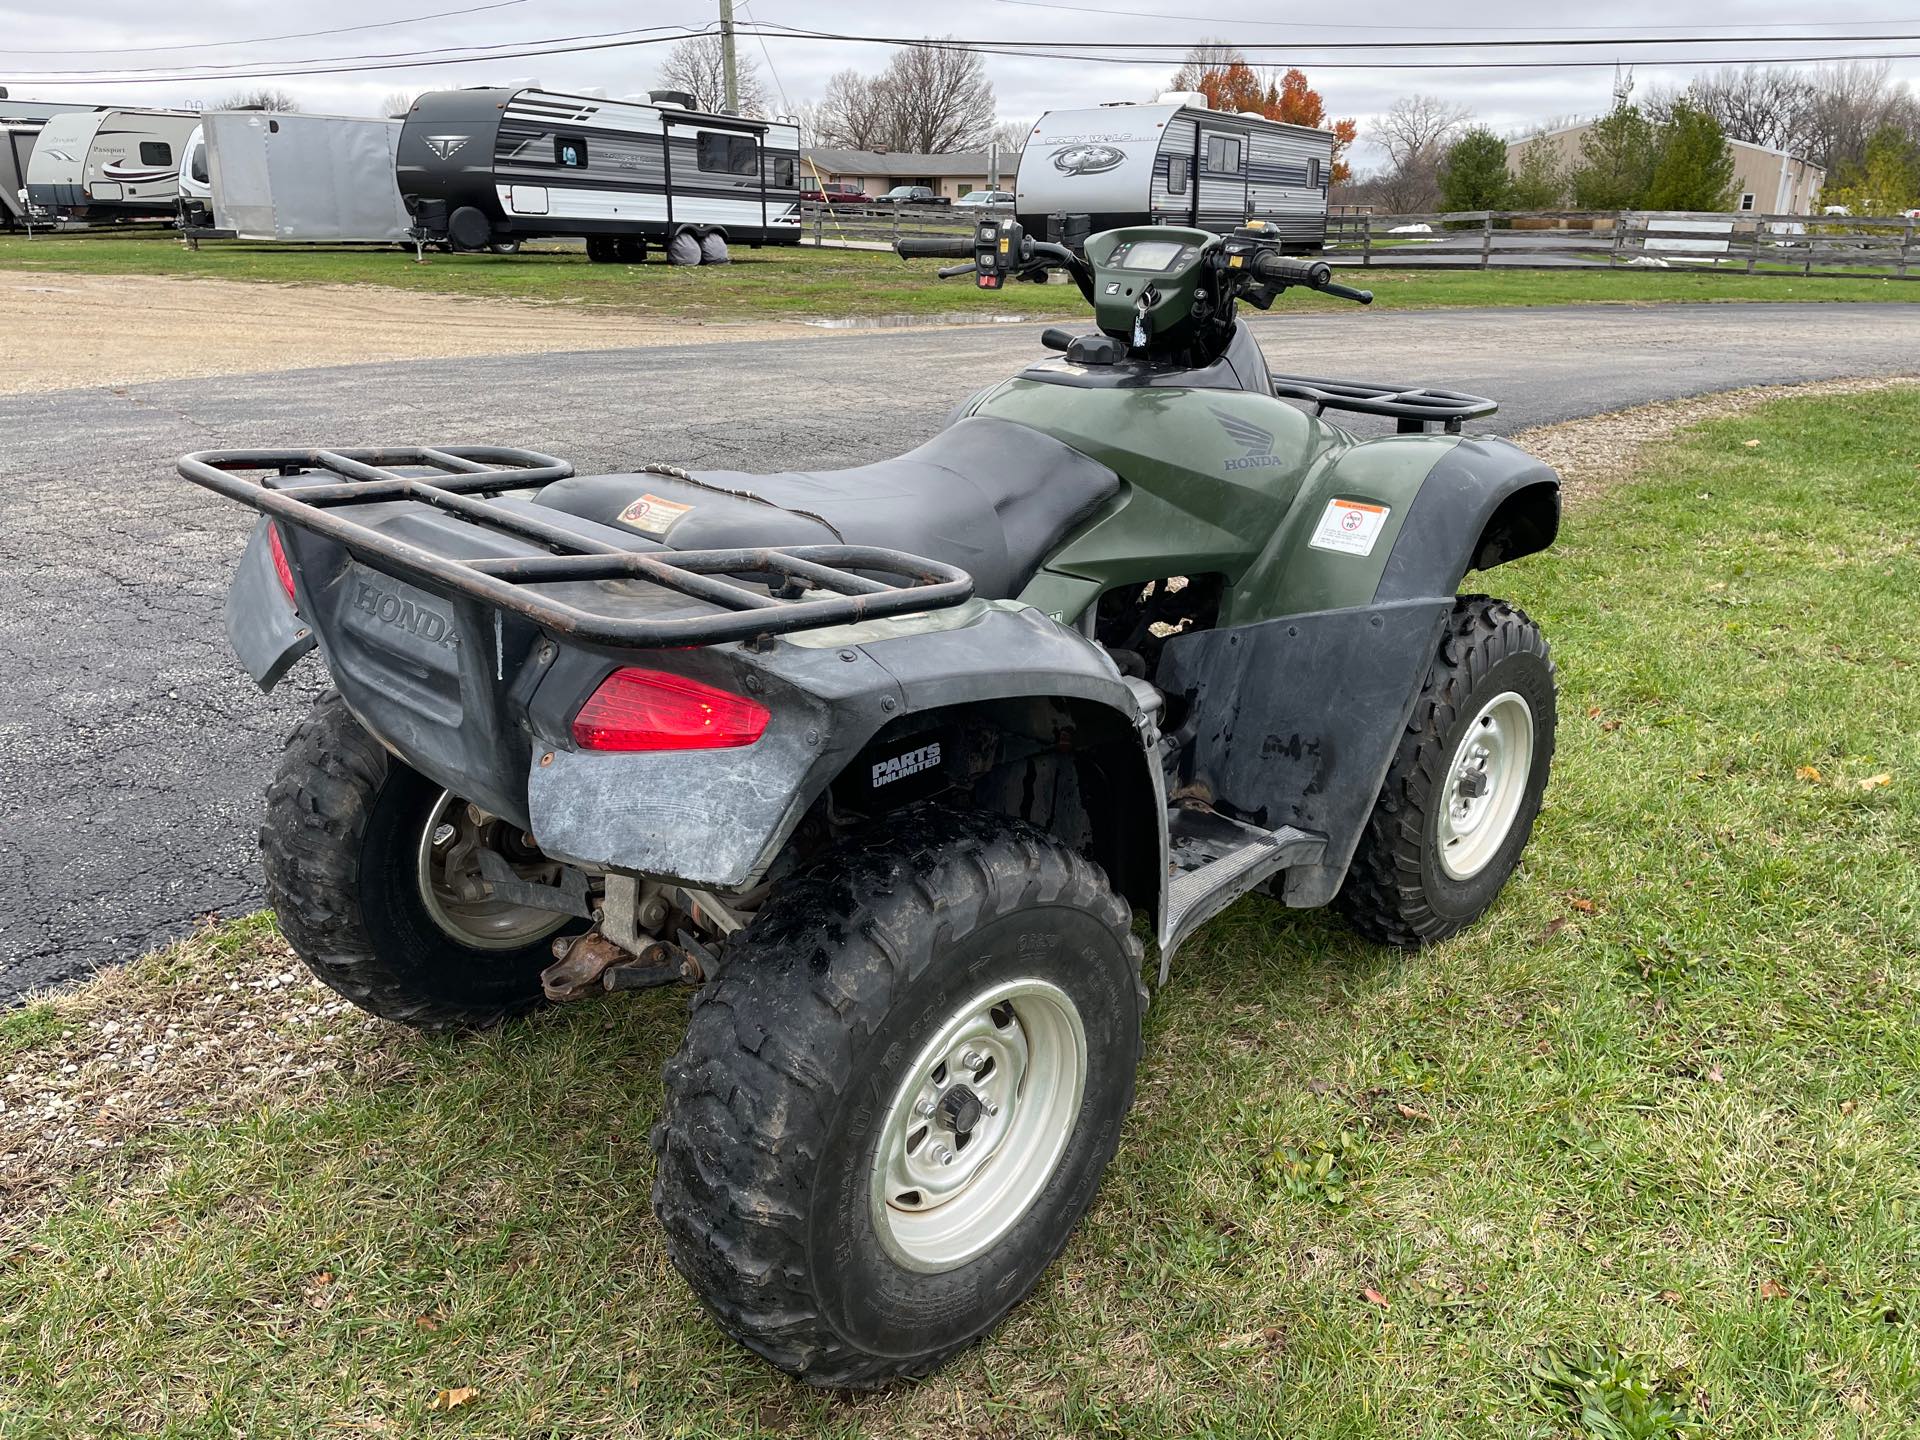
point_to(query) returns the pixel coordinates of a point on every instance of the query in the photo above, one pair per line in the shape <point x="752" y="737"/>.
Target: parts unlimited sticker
<point x="652" y="514"/>
<point x="1350" y="527"/>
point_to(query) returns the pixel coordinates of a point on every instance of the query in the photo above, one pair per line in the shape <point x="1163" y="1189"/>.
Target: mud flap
<point x="1299" y="718"/>
<point x="262" y="625"/>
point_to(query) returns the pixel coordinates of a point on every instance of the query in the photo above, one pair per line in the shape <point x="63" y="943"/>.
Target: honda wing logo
<point x="1087" y="159"/>
<point x="1254" y="439"/>
<point x="445" y="145"/>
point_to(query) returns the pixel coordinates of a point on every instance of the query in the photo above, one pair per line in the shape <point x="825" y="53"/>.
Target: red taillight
<point x="280" y="566"/>
<point x="648" y="710"/>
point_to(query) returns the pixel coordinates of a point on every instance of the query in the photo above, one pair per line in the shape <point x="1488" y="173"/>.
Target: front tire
<point x="897" y="1101"/>
<point x="349" y="855"/>
<point x="1461" y="796"/>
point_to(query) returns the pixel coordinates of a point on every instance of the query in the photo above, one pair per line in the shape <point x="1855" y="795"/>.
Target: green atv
<point x="888" y="760"/>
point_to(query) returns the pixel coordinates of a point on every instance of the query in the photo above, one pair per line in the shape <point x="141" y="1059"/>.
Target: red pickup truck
<point x="833" y="195"/>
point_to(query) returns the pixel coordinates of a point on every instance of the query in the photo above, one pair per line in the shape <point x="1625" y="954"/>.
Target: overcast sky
<point x="1507" y="99"/>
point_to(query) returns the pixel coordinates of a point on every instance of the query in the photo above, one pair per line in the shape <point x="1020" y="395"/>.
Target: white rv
<point x="95" y="165"/>
<point x="16" y="146"/>
<point x="1175" y="162"/>
<point x="498" y="164"/>
<point x="254" y="175"/>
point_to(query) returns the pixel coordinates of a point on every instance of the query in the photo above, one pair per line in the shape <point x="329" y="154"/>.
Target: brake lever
<point x="1347" y="292"/>
<point x="947" y="272"/>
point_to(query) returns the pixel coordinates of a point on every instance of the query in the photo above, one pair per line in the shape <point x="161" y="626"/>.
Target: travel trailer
<point x="1175" y="162"/>
<point x="481" y="166"/>
<point x="16" y="146"/>
<point x="108" y="165"/>
<point x="252" y="175"/>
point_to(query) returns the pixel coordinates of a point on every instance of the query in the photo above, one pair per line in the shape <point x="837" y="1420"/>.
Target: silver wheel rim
<point x="1486" y="784"/>
<point x="941" y="1195"/>
<point x="480" y="922"/>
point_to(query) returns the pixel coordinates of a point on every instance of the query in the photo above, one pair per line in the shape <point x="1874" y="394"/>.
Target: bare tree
<point x="1414" y="133"/>
<point x="697" y="65"/>
<point x="1210" y="54"/>
<point x="1851" y="102"/>
<point x="928" y="101"/>
<point x="856" y="113"/>
<point x="397" y="104"/>
<point x="263" y="98"/>
<point x="1011" y="134"/>
<point x="942" y="97"/>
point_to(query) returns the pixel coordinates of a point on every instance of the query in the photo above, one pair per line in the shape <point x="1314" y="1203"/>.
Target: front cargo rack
<point x="813" y="586"/>
<point x="1414" y="406"/>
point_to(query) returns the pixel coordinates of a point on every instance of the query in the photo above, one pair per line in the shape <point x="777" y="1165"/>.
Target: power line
<point x="1114" y="13"/>
<point x="270" y="39"/>
<point x="1056" y="50"/>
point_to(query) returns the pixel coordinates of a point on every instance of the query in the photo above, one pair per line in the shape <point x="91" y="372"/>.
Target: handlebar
<point x="934" y="247"/>
<point x="1314" y="274"/>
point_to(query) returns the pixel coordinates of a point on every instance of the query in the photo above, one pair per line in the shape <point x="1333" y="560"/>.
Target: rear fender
<point x="718" y="819"/>
<point x="266" y="632"/>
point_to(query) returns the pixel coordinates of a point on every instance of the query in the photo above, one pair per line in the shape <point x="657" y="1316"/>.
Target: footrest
<point x="1235" y="858"/>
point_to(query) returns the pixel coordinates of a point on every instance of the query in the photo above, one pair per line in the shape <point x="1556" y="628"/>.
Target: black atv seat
<point x="989" y="496"/>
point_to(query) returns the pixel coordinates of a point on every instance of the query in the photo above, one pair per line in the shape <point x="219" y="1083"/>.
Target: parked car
<point x="834" y="195"/>
<point x="981" y="199"/>
<point x="911" y="195"/>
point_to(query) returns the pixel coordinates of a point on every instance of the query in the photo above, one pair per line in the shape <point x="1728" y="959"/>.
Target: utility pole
<point x="731" y="76"/>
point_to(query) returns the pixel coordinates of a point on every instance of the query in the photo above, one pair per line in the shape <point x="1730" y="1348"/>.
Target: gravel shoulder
<point x="67" y="331"/>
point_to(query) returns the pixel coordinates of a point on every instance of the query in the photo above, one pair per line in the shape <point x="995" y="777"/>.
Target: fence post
<point x="1366" y="239"/>
<point x="1906" y="245"/>
<point x="1486" y="242"/>
<point x="1619" y="236"/>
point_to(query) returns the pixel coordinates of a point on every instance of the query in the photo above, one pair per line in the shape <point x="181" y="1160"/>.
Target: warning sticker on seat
<point x="1350" y="526"/>
<point x="653" y="515"/>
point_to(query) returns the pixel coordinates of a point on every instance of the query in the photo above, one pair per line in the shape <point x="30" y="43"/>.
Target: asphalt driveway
<point x="133" y="751"/>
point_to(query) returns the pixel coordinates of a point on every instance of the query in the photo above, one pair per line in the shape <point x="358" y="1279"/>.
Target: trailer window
<point x="783" y="173"/>
<point x="199" y="164"/>
<point x="1177" y="168"/>
<point x="155" y="152"/>
<point x="1313" y="172"/>
<point x="1223" y="154"/>
<point x="570" y="151"/>
<point x="727" y="155"/>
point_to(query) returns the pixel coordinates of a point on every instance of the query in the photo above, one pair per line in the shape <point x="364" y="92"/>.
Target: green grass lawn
<point x="825" y="283"/>
<point x="1635" y="1157"/>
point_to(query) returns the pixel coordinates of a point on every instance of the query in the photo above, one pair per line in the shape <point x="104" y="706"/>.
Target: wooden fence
<point x="1742" y="243"/>
<point x="878" y="226"/>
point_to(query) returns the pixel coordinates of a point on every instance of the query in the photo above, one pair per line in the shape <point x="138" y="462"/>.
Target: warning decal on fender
<point x="653" y="515"/>
<point x="1349" y="526"/>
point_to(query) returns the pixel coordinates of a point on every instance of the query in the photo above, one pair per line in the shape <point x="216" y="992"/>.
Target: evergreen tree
<point x="1693" y="168"/>
<point x="1616" y="161"/>
<point x="1537" y="182"/>
<point x="1473" y="172"/>
<point x="1884" y="181"/>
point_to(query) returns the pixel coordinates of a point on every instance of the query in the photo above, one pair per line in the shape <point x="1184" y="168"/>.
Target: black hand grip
<point x="1289" y="271"/>
<point x="1054" y="338"/>
<point x="934" y="247"/>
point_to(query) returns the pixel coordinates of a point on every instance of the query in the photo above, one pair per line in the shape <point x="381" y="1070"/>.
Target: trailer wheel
<point x="630" y="250"/>
<point x="897" y="1101"/>
<point x="357" y="849"/>
<point x="1464" y="787"/>
<point x="603" y="249"/>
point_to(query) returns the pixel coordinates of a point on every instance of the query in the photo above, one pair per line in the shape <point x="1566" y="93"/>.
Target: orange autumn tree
<point x="1231" y="84"/>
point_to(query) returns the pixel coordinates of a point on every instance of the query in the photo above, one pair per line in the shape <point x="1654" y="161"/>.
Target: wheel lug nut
<point x="943" y="1155"/>
<point x="973" y="1059"/>
<point x="925" y="1109"/>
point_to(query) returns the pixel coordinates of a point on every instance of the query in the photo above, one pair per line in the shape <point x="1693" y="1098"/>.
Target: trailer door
<point x="1222" y="199"/>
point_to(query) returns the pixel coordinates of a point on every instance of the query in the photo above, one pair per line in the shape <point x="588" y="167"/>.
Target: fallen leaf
<point x="1374" y="1297"/>
<point x="1670" y="1297"/>
<point x="1772" y="1290"/>
<point x="425" y="1322"/>
<point x="1713" y="1074"/>
<point x="1554" y="927"/>
<point x="1593" y="712"/>
<point x="1874" y="782"/>
<point x="1609" y="726"/>
<point x="453" y="1399"/>
<point x="1808" y="772"/>
<point x="1846" y="1107"/>
<point x="1411" y="1112"/>
<point x="1751" y="444"/>
<point x="1580" y="903"/>
<point x="1319" y="1086"/>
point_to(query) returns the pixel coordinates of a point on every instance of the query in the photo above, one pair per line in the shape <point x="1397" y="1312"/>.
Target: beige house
<point x="1769" y="182"/>
<point x="876" y="173"/>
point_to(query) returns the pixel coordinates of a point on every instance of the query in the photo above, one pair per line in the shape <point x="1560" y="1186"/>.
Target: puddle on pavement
<point x="907" y="322"/>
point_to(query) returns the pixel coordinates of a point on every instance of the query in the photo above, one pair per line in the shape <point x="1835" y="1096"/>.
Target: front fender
<point x="718" y="819"/>
<point x="1485" y="502"/>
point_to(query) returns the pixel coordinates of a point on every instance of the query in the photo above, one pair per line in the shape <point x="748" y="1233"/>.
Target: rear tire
<point x="1434" y="855"/>
<point x="945" y="953"/>
<point x="341" y="850"/>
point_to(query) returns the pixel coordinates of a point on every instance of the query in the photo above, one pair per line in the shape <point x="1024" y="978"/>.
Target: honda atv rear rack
<point x="464" y="482"/>
<point x="1414" y="406"/>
